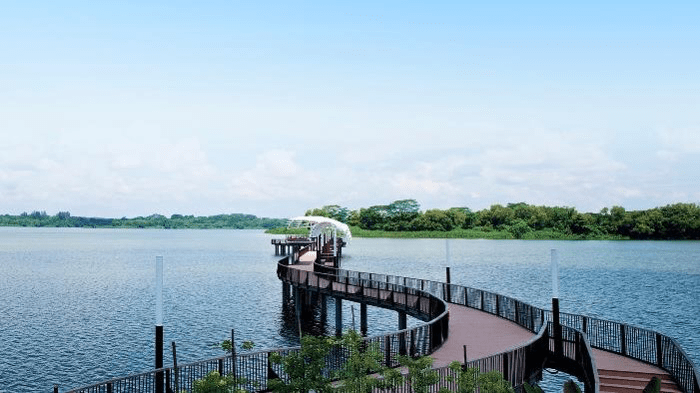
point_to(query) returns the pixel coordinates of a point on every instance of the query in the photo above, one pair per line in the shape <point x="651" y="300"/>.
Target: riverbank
<point x="475" y="233"/>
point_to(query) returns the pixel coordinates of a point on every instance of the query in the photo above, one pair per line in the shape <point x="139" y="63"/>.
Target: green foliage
<point x="519" y="229"/>
<point x="571" y="387"/>
<point x="654" y="385"/>
<point x="421" y="375"/>
<point x="493" y="382"/>
<point x="466" y="378"/>
<point x="227" y="347"/>
<point x="532" y="389"/>
<point x="331" y="211"/>
<point x="356" y="374"/>
<point x="216" y="383"/>
<point x="522" y="221"/>
<point x="304" y="367"/>
<point x="470" y="380"/>
<point x="176" y="221"/>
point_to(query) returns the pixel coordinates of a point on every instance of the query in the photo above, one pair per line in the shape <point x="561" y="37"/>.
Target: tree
<point x="373" y="217"/>
<point x="356" y="374"/>
<point x="519" y="229"/>
<point x="331" y="211"/>
<point x="421" y="375"/>
<point x="403" y="206"/>
<point x="304" y="367"/>
<point x="434" y="220"/>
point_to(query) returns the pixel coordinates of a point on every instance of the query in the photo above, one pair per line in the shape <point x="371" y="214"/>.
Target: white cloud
<point x="680" y="140"/>
<point x="276" y="176"/>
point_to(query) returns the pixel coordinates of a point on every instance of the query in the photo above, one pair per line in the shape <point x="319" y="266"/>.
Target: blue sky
<point x="270" y="108"/>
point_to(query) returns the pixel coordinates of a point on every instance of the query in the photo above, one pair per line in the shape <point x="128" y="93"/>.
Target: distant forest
<point x="404" y="218"/>
<point x="176" y="221"/>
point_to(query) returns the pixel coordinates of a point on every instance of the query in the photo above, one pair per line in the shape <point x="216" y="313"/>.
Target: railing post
<point x="448" y="292"/>
<point x="482" y="300"/>
<point x="623" y="340"/>
<point x="506" y="374"/>
<point x="387" y="351"/>
<point x="402" y="336"/>
<point x="412" y="348"/>
<point x="176" y="377"/>
<point x="558" y="344"/>
<point x="498" y="305"/>
<point x="659" y="352"/>
<point x="110" y="388"/>
<point x="363" y="319"/>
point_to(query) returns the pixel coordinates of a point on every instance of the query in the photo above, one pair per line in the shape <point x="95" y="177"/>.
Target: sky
<point x="130" y="108"/>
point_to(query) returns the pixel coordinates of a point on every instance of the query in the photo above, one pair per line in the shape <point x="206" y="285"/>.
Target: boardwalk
<point x="485" y="334"/>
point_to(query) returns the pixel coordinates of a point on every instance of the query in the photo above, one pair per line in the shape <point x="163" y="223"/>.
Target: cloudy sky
<point x="127" y="108"/>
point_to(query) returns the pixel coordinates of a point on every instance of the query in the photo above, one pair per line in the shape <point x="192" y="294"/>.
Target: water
<point x="77" y="305"/>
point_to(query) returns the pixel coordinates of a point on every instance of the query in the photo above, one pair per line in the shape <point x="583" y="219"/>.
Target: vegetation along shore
<point x="404" y="219"/>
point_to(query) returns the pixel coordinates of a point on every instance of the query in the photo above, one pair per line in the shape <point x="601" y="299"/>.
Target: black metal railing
<point x="637" y="343"/>
<point x="414" y="302"/>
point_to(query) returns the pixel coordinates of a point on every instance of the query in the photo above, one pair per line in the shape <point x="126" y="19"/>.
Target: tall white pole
<point x="447" y="251"/>
<point x="159" y="291"/>
<point x="555" y="274"/>
<point x="558" y="343"/>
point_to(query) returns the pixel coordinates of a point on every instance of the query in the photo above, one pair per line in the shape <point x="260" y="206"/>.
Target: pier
<point x="477" y="328"/>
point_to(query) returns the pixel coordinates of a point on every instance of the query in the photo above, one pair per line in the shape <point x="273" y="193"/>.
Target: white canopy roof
<point x="317" y="224"/>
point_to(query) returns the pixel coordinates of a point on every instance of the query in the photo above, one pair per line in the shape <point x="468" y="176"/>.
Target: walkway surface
<point x="622" y="374"/>
<point x="485" y="334"/>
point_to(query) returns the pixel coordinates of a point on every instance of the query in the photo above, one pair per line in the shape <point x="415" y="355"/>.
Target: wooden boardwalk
<point x="485" y="334"/>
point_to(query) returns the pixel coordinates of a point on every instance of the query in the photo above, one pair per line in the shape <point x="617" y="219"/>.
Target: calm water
<point x="76" y="305"/>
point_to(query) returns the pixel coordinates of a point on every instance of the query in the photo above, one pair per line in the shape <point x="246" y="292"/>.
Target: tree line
<point x="175" y="221"/>
<point x="522" y="221"/>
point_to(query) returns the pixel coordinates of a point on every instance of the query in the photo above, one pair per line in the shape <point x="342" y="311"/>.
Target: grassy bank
<point x="474" y="233"/>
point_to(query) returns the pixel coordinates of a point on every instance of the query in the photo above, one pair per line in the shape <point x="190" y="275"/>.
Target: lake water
<point x="77" y="305"/>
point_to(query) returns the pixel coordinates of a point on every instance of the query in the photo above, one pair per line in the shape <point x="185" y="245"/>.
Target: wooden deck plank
<point x="484" y="334"/>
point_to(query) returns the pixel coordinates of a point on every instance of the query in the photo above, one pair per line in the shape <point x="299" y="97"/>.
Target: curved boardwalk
<point x="485" y="334"/>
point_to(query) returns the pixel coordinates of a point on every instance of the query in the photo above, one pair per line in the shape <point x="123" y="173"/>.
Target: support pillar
<point x="402" y="337"/>
<point x="363" y="319"/>
<point x="297" y="302"/>
<point x="338" y="317"/>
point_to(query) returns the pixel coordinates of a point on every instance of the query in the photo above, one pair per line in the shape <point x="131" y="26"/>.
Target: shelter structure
<point x="319" y="225"/>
